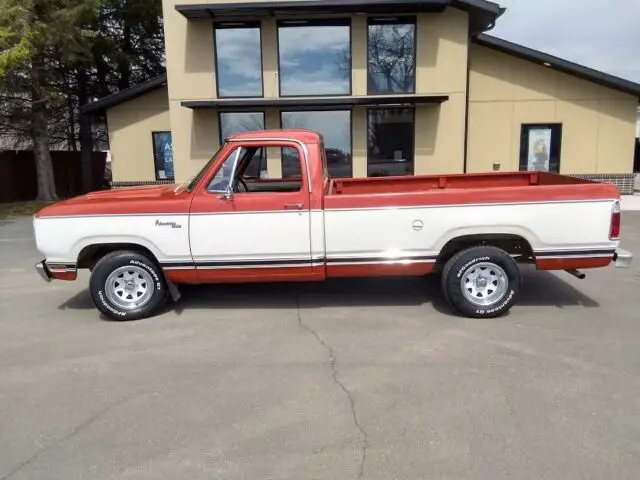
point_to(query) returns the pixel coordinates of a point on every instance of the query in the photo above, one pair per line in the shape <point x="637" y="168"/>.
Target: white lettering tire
<point x="126" y="286"/>
<point x="481" y="282"/>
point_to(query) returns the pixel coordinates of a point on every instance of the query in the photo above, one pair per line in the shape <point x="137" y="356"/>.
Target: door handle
<point x="293" y="206"/>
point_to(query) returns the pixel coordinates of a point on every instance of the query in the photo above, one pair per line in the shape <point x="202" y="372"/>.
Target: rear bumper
<point x="623" y="259"/>
<point x="43" y="271"/>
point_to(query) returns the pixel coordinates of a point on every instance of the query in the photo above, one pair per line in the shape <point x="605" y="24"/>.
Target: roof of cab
<point x="305" y="136"/>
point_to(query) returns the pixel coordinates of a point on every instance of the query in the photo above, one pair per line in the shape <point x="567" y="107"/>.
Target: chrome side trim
<point x="328" y="210"/>
<point x="256" y="212"/>
<point x="562" y="257"/>
<point x="623" y="259"/>
<point x="259" y="266"/>
<point x="450" y="205"/>
<point x="115" y="215"/>
<point x="380" y="262"/>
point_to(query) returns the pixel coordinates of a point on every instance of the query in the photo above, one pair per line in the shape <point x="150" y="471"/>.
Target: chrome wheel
<point x="484" y="284"/>
<point x="129" y="287"/>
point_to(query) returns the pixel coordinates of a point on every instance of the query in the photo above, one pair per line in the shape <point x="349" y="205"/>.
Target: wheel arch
<point x="91" y="253"/>
<point x="513" y="241"/>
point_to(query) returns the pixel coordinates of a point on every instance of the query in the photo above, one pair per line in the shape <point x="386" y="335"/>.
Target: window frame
<point x="153" y="149"/>
<point x="331" y="22"/>
<point x="395" y="20"/>
<point x="234" y="26"/>
<point x="232" y="147"/>
<point x="315" y="110"/>
<point x="413" y="111"/>
<point x="556" y="144"/>
<point x="221" y="112"/>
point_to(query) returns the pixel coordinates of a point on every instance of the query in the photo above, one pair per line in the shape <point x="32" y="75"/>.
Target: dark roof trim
<point x="559" y="64"/>
<point x="125" y="95"/>
<point x="483" y="13"/>
<point x="317" y="103"/>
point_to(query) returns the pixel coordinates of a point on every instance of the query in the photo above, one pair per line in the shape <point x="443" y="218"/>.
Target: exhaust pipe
<point x="576" y="273"/>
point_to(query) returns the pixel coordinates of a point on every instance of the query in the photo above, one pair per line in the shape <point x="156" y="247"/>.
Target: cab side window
<point x="254" y="173"/>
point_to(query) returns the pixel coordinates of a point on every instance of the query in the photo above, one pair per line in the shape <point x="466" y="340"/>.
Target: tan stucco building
<point x="395" y="87"/>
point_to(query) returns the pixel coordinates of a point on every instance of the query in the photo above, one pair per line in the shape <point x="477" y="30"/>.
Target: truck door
<point x="245" y="227"/>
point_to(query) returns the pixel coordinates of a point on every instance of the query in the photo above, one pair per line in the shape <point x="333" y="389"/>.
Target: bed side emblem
<point x="168" y="224"/>
<point x="417" y="225"/>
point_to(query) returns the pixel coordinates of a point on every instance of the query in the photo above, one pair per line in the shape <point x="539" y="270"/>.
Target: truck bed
<point x="464" y="189"/>
<point x="413" y="184"/>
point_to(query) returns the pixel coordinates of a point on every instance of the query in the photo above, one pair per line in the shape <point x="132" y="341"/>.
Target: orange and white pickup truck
<point x="232" y="224"/>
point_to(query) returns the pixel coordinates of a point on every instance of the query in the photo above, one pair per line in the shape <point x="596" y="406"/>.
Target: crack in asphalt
<point x="93" y="418"/>
<point x="334" y="371"/>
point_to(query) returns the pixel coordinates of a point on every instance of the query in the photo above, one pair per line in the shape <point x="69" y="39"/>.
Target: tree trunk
<point x="71" y="133"/>
<point x="124" y="65"/>
<point x="40" y="133"/>
<point x="86" y="139"/>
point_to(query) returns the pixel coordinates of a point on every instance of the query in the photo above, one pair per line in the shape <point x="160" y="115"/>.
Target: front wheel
<point x="481" y="282"/>
<point x="126" y="285"/>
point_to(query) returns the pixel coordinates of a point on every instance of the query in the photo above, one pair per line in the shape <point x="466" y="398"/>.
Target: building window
<point x="390" y="142"/>
<point x="163" y="155"/>
<point x="391" y="55"/>
<point x="314" y="58"/>
<point x="335" y="127"/>
<point x="540" y="146"/>
<point x="238" y="55"/>
<point x="232" y="123"/>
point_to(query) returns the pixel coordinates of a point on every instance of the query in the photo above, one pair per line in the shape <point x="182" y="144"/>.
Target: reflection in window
<point x="390" y="142"/>
<point x="239" y="61"/>
<point x="232" y="123"/>
<point x="391" y="56"/>
<point x="315" y="58"/>
<point x="222" y="179"/>
<point x="335" y="127"/>
<point x="163" y="155"/>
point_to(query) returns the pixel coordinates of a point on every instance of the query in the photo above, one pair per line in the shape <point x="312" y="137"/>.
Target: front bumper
<point x="43" y="271"/>
<point x="623" y="259"/>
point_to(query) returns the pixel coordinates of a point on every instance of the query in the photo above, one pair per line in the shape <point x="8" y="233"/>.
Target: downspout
<point x="466" y="110"/>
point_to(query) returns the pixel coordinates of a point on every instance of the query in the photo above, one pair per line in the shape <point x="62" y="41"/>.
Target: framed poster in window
<point x="540" y="147"/>
<point x="163" y="155"/>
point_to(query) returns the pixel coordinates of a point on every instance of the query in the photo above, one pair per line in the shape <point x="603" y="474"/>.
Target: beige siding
<point x="505" y="92"/>
<point x="130" y="127"/>
<point x="440" y="70"/>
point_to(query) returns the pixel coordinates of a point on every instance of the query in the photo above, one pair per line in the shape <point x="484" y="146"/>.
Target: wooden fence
<point x="18" y="174"/>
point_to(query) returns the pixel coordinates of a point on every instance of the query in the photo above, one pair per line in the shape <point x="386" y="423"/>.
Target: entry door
<point x="260" y="230"/>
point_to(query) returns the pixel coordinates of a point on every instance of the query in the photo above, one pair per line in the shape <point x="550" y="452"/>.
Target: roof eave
<point x="123" y="96"/>
<point x="484" y="13"/>
<point x="559" y="64"/>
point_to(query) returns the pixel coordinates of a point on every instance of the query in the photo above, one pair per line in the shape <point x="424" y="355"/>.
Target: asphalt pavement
<point x="374" y="379"/>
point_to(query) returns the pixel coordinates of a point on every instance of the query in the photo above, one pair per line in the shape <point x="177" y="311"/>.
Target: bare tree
<point x="391" y="58"/>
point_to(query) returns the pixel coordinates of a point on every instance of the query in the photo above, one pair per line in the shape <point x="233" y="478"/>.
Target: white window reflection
<point x="315" y="59"/>
<point x="238" y="52"/>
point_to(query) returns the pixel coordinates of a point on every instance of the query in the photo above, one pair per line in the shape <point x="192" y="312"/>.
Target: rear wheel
<point x="126" y="285"/>
<point x="481" y="282"/>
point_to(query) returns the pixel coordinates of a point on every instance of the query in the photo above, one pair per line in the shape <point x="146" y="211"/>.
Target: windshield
<point x="195" y="180"/>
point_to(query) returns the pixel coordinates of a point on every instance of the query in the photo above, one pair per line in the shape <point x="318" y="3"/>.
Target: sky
<point x="601" y="34"/>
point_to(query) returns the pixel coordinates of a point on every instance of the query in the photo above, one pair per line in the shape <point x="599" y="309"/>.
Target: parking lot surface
<point x="373" y="379"/>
